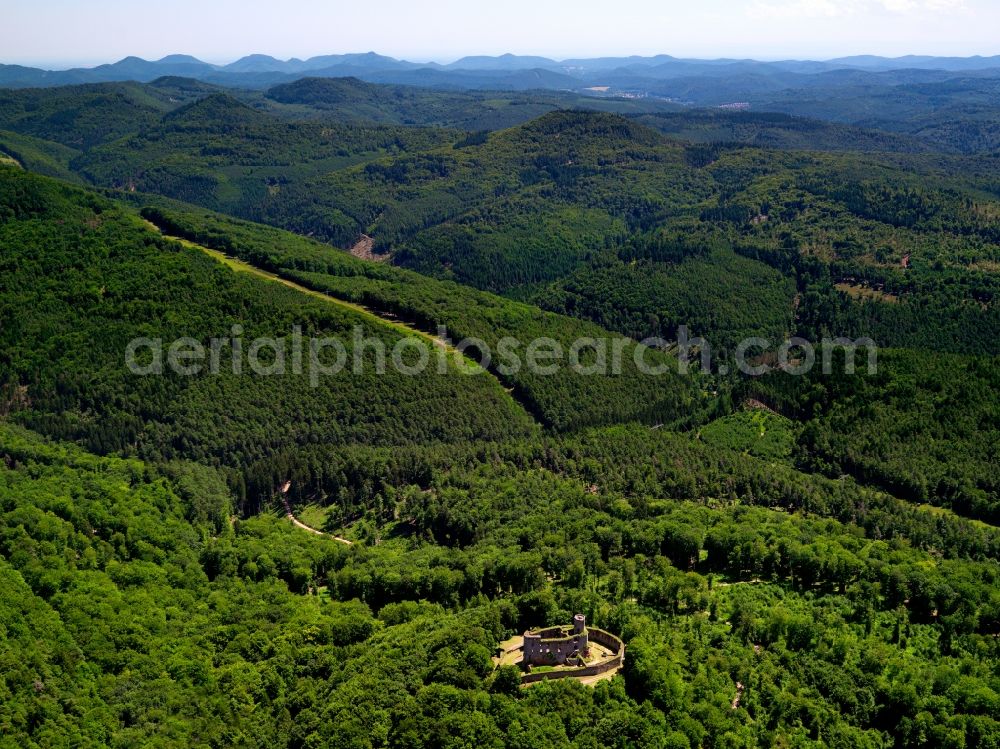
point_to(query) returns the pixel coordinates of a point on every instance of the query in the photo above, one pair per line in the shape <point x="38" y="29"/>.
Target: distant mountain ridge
<point x="504" y="71"/>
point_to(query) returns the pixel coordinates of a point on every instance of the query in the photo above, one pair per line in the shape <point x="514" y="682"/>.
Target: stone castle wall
<point x="540" y="650"/>
<point x="558" y="646"/>
<point x="608" y="640"/>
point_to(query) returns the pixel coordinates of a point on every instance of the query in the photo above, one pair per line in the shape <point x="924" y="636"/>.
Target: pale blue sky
<point x="61" y="32"/>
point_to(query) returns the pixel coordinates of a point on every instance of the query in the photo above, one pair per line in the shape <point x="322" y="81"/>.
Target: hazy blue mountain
<point x="363" y="60"/>
<point x="503" y="62"/>
<point x="135" y="68"/>
<point x="260" y="63"/>
<point x="127" y="69"/>
<point x="612" y="63"/>
<point x="705" y="82"/>
<point x="253" y="80"/>
<point x="349" y="64"/>
<point x="501" y="80"/>
<point x="180" y="60"/>
<point x="919" y="61"/>
<point x="21" y="76"/>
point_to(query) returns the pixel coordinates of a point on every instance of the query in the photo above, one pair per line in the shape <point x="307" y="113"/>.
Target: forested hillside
<point x="83" y="277"/>
<point x="941" y="407"/>
<point x="84" y="116"/>
<point x="790" y="560"/>
<point x="926" y="427"/>
<point x="561" y="399"/>
<point x="589" y="215"/>
<point x="777" y="130"/>
<point x="583" y="213"/>
<point x="255" y="633"/>
<point x="958" y="114"/>
<point x="352" y="100"/>
<point x="220" y="153"/>
<point x="596" y="217"/>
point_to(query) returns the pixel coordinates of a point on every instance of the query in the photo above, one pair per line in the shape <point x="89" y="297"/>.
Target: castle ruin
<point x="574" y="651"/>
<point x="558" y="646"/>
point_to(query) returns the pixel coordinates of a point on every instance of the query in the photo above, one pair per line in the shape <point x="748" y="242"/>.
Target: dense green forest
<point x="869" y="426"/>
<point x="561" y="399"/>
<point x="220" y="153"/>
<point x="791" y="561"/>
<point x="776" y="130"/>
<point x="957" y="115"/>
<point x="352" y="100"/>
<point x="81" y="116"/>
<point x="595" y="216"/>
<point x="82" y="277"/>
<point x="926" y="427"/>
<point x="582" y="213"/>
<point x="219" y="632"/>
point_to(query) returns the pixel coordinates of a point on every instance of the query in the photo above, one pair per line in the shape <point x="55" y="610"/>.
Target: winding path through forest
<point x="295" y="521"/>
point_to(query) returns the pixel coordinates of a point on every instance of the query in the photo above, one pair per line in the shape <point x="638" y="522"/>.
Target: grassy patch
<point x="313" y="515"/>
<point x="866" y="292"/>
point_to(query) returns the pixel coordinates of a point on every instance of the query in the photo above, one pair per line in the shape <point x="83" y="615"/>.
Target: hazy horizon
<point x="85" y="64"/>
<point x="58" y="34"/>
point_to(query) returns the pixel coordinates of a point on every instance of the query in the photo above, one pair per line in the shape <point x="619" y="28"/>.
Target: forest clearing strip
<point x="241" y="266"/>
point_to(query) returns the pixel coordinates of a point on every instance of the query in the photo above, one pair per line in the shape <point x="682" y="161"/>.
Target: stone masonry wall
<point x="599" y="636"/>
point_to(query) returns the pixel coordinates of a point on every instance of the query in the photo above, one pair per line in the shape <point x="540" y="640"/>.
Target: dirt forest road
<point x="295" y="521"/>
